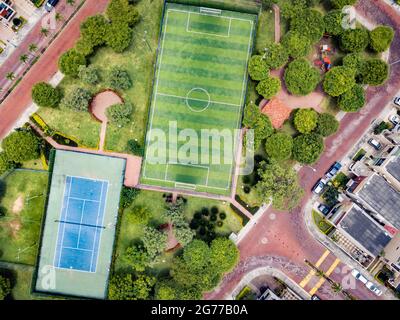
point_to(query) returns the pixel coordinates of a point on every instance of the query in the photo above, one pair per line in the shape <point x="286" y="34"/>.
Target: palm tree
<point x="59" y="16"/>
<point x="44" y="31"/>
<point x="23" y="58"/>
<point x="32" y="47"/>
<point x="337" y="288"/>
<point x="10" y="76"/>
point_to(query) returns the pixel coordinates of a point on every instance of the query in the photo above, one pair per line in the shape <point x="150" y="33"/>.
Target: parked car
<point x="356" y="274"/>
<point x="50" y="4"/>
<point x="397" y="101"/>
<point x="319" y="186"/>
<point x="323" y="209"/>
<point x="395" y="119"/>
<point x="333" y="170"/>
<point x="315" y="297"/>
<point x="375" y="144"/>
<point x="373" y="288"/>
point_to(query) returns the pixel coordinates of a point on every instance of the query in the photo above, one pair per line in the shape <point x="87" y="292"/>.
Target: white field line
<point x="195" y="99"/>
<point x="199" y="185"/>
<point x="205" y="14"/>
<point x="207" y="33"/>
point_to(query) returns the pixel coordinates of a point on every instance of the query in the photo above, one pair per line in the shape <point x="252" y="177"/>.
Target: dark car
<point x="50" y="4"/>
<point x="333" y="170"/>
<point x="397" y="101"/>
<point x="323" y="209"/>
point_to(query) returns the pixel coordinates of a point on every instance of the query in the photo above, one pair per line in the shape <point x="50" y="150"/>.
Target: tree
<point x="5" y="163"/>
<point x="333" y="22"/>
<point x="138" y="215"/>
<point x="23" y="58"/>
<point x="267" y="4"/>
<point x="126" y="287"/>
<point x="119" y="36"/>
<point x="269" y="87"/>
<point x="374" y="72"/>
<point x="251" y="114"/>
<point x="183" y="234"/>
<point x="10" y="76"/>
<point x="339" y="4"/>
<point x="44" y="32"/>
<point x="354" y="40"/>
<point x="330" y="196"/>
<point x="78" y="99"/>
<point x="354" y="61"/>
<point x="352" y="100"/>
<point x="5" y="287"/>
<point x="309" y="23"/>
<point x="120" y="11"/>
<point x="381" y="38"/>
<point x="262" y="130"/>
<point x="301" y="78"/>
<point x="326" y="125"/>
<point x="224" y="255"/>
<point x="279" y="183"/>
<point x="296" y="44"/>
<point x="136" y="257"/>
<point x="279" y="146"/>
<point x="167" y="290"/>
<point x="258" y="68"/>
<point x="32" y="47"/>
<point x="154" y="241"/>
<point x="174" y="213"/>
<point x="120" y="114"/>
<point x="307" y="148"/>
<point x="338" y="80"/>
<point x="305" y="120"/>
<point x="128" y="195"/>
<point x="197" y="255"/>
<point x="89" y="74"/>
<point x="275" y="55"/>
<point x="93" y="30"/>
<point x="291" y="8"/>
<point x="119" y="79"/>
<point x="135" y="147"/>
<point x="20" y="146"/>
<point x="84" y="47"/>
<point x="44" y="95"/>
<point x="70" y="61"/>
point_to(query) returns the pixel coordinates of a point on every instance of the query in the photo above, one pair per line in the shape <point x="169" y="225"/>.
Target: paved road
<point x="281" y="238"/>
<point x="20" y="98"/>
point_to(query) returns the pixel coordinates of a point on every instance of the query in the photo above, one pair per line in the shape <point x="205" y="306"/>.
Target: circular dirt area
<point x="101" y="102"/>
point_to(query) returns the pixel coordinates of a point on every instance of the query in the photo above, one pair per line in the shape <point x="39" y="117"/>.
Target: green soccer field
<point x="200" y="84"/>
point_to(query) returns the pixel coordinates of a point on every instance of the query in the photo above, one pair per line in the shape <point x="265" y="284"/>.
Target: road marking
<point x="307" y="279"/>
<point x="322" y="280"/>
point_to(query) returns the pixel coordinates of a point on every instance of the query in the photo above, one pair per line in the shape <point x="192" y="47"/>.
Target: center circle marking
<point x="203" y="103"/>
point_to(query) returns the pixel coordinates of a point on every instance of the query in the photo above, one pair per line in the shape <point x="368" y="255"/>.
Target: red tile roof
<point x="277" y="111"/>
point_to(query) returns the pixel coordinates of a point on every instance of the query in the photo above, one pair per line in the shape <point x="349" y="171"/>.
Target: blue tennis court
<point x="80" y="224"/>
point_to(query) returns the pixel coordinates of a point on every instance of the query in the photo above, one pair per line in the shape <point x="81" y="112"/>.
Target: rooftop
<point x="383" y="198"/>
<point x="277" y="111"/>
<point x="367" y="232"/>
<point x="393" y="167"/>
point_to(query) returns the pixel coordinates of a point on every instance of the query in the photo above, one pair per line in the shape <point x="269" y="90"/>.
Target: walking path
<point x="45" y="68"/>
<point x="277" y="16"/>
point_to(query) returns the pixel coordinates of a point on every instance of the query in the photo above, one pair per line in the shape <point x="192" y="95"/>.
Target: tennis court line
<point x="85" y="200"/>
<point x="196" y="99"/>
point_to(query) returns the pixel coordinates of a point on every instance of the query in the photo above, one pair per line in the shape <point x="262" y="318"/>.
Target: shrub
<point x="354" y="40"/>
<point x="251" y="114"/>
<point x="339" y="4"/>
<point x="119" y="36"/>
<point x="354" y="61"/>
<point x="220" y="224"/>
<point x="5" y="163"/>
<point x="214" y="210"/>
<point x="309" y="23"/>
<point x="120" y="114"/>
<point x="352" y="100"/>
<point x="296" y="44"/>
<point x="258" y="68"/>
<point x="262" y="130"/>
<point x="301" y="78"/>
<point x="119" y="79"/>
<point x="93" y="30"/>
<point x="275" y="55"/>
<point x="84" y="47"/>
<point x="339" y="80"/>
<point x="307" y="148"/>
<point x="44" y="95"/>
<point x="224" y="255"/>
<point x="128" y="195"/>
<point x="89" y="74"/>
<point x="5" y="287"/>
<point x="222" y="215"/>
<point x="139" y="215"/>
<point x="279" y="146"/>
<point x="305" y="120"/>
<point x="135" y="148"/>
<point x="381" y="38"/>
<point x="333" y="22"/>
<point x="78" y="100"/>
<point x="374" y="72"/>
<point x="70" y="61"/>
<point x="120" y="11"/>
<point x="20" y="146"/>
<point x="326" y="125"/>
<point x="269" y="87"/>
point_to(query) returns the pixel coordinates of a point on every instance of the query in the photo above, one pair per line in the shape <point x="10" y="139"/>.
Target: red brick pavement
<point x="287" y="236"/>
<point x="20" y="98"/>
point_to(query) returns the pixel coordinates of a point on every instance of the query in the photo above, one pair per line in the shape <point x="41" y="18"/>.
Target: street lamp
<point x="145" y="40"/>
<point x="313" y="169"/>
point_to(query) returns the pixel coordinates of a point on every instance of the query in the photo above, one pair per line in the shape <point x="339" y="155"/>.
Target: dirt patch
<point x="15" y="226"/>
<point x="18" y="205"/>
<point x="101" y="102"/>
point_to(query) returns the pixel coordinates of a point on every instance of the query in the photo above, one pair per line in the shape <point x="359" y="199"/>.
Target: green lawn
<point x="265" y="30"/>
<point x="200" y="84"/>
<point x="24" y="199"/>
<point x="21" y="279"/>
<point x="323" y="225"/>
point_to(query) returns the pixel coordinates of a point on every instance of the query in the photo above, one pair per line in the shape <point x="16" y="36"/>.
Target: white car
<point x="356" y="274"/>
<point x="373" y="288"/>
<point x="319" y="186"/>
<point x="397" y="101"/>
<point x="395" y="119"/>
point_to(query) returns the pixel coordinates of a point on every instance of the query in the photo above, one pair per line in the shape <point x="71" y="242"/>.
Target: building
<point x="6" y="12"/>
<point x="392" y="253"/>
